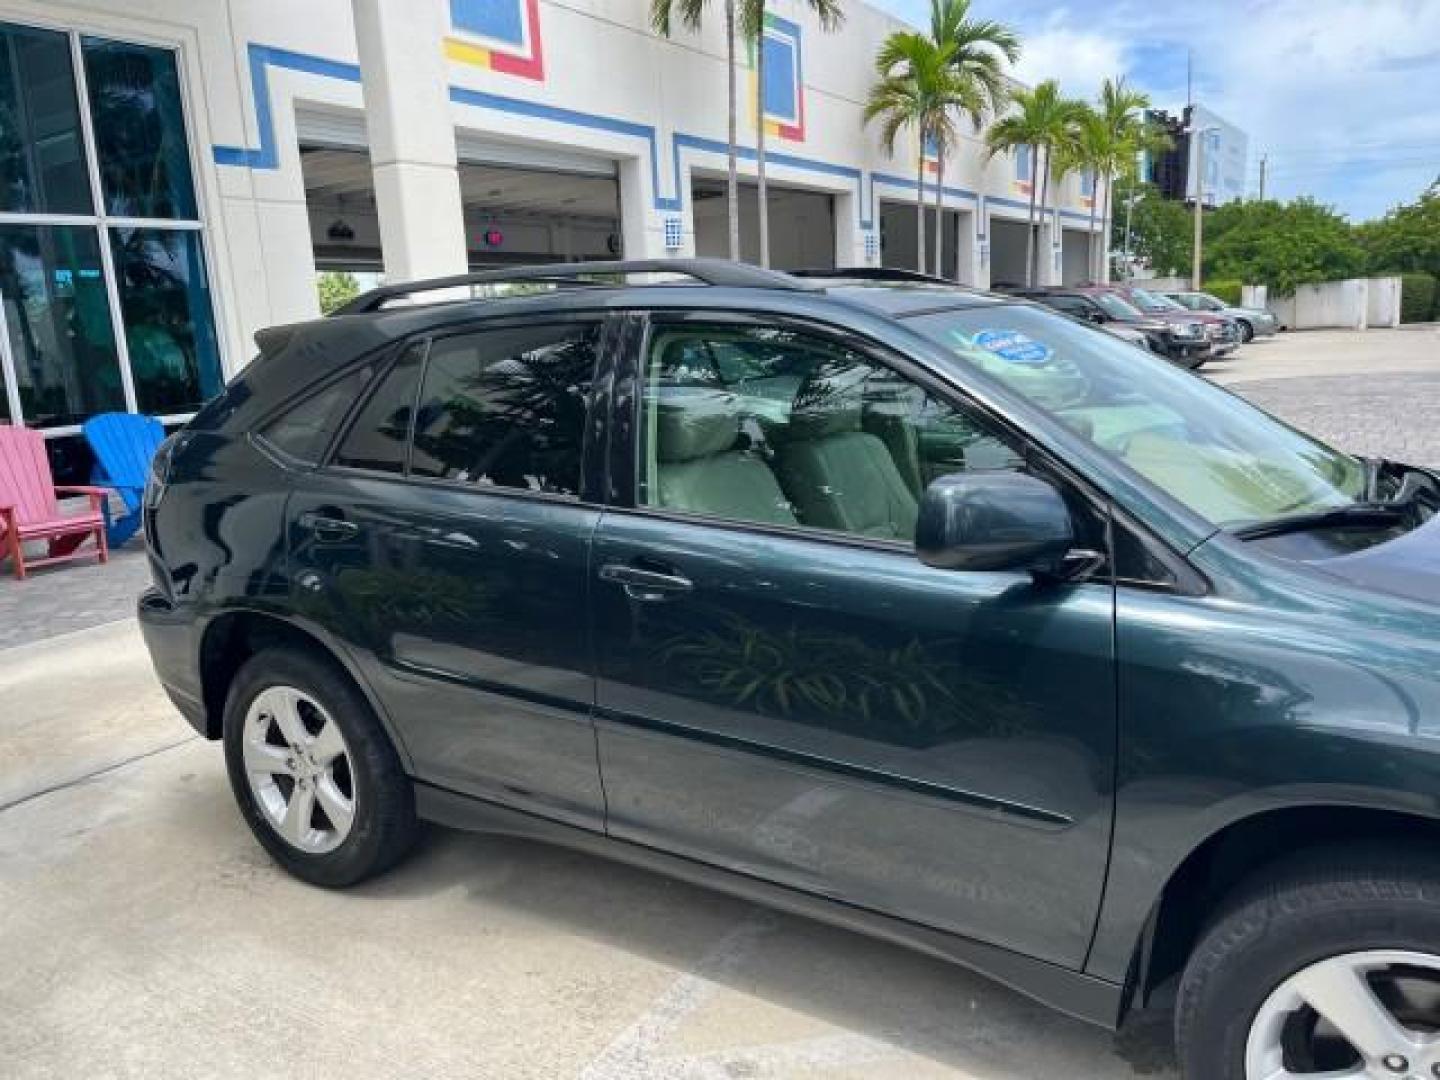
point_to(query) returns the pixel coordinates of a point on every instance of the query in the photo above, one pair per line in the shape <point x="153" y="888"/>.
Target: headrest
<point x="827" y="404"/>
<point x="695" y="422"/>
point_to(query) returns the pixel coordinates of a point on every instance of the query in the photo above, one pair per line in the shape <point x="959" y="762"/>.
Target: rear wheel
<point x="1332" y="971"/>
<point x="314" y="772"/>
<point x="1247" y="332"/>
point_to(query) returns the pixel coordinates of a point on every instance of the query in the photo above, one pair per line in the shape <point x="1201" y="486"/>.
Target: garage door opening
<point x="1076" y="265"/>
<point x="802" y="224"/>
<point x="1007" y="253"/>
<point x="897" y="241"/>
<point x="513" y="215"/>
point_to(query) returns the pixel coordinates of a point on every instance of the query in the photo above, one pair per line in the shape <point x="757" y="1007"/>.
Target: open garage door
<point x="897" y="241"/>
<point x="802" y="224"/>
<point x="1007" y="252"/>
<point x="1075" y="266"/>
<point x="522" y="204"/>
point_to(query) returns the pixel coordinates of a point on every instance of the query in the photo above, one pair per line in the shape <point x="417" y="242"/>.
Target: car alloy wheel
<point x="299" y="769"/>
<point x="1357" y="1016"/>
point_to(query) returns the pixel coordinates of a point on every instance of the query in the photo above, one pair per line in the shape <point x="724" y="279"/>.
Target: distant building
<point x="1224" y="157"/>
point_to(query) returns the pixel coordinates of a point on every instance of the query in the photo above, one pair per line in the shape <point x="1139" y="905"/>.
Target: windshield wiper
<point x="1361" y="513"/>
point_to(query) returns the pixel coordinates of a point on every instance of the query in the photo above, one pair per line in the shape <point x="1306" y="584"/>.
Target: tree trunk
<point x="763" y="201"/>
<point x="920" y="209"/>
<point x="732" y="179"/>
<point x="1044" y="198"/>
<point x="1090" y="249"/>
<point x="1030" y="219"/>
<point x="1107" y="225"/>
<point x="940" y="213"/>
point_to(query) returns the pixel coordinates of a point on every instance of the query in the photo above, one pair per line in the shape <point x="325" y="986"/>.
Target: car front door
<point x="785" y="690"/>
<point x="447" y="542"/>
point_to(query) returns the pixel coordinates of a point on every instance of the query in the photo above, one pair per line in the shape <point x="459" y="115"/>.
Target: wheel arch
<point x="1242" y="851"/>
<point x="233" y="637"/>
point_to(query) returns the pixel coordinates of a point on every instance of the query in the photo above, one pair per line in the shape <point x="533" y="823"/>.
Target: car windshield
<point x="1117" y="308"/>
<point x="1149" y="301"/>
<point x="1226" y="460"/>
<point x="1189" y="301"/>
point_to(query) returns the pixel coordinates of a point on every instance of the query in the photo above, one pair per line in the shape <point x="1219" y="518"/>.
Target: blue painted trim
<point x="266" y="155"/>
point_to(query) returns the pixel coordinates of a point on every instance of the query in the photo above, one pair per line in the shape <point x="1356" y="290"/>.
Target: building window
<point x="104" y="288"/>
<point x="1023" y="171"/>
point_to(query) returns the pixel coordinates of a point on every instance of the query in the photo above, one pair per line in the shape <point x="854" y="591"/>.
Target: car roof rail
<point x="875" y="273"/>
<point x="717" y="272"/>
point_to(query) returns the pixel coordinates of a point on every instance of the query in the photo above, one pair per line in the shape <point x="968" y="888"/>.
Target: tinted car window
<point x="304" y="431"/>
<point x="506" y="407"/>
<point x="774" y="427"/>
<point x="377" y="439"/>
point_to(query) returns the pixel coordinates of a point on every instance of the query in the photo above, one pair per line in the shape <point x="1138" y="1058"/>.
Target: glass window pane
<point x="139" y="130"/>
<point x="378" y="436"/>
<point x="58" y="320"/>
<point x="506" y="408"/>
<point x="169" y="323"/>
<point x="42" y="154"/>
<point x="780" y="428"/>
<point x="304" y="431"/>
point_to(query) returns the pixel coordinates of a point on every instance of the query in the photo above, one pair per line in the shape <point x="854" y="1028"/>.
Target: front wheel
<point x="313" y="771"/>
<point x="1331" y="971"/>
<point x="1247" y="332"/>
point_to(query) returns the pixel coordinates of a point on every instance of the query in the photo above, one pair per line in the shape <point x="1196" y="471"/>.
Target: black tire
<point x="1194" y="363"/>
<point x="1320" y="908"/>
<point x="384" y="826"/>
<point x="1247" y="332"/>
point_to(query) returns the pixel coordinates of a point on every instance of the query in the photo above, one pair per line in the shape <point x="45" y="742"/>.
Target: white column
<point x="967" y="269"/>
<point x="849" y="236"/>
<point x="412" y="138"/>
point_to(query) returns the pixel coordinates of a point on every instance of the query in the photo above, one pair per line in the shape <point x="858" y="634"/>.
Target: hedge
<point x="1417" y="298"/>
<point x="1229" y="291"/>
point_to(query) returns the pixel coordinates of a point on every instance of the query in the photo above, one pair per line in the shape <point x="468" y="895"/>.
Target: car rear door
<point x="786" y="691"/>
<point x="446" y="542"/>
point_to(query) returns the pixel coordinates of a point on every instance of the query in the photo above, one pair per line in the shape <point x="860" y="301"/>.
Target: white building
<point x="173" y="172"/>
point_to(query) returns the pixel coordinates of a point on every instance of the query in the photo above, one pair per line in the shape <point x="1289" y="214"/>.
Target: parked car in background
<point x="1182" y="342"/>
<point x="1222" y="333"/>
<point x="1253" y="322"/>
<point x="924" y="611"/>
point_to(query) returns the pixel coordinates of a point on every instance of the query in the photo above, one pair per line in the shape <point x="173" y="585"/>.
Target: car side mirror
<point x="1001" y="520"/>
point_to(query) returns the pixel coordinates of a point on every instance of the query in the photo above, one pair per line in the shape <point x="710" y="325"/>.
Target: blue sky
<point x="1343" y="96"/>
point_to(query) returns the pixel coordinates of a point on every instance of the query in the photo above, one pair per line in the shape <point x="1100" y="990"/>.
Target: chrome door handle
<point x="329" y="530"/>
<point x="641" y="584"/>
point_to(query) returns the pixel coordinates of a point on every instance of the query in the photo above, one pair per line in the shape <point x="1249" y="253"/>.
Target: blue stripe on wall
<point x="266" y="155"/>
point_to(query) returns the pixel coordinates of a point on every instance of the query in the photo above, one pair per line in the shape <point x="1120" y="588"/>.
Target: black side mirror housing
<point x="1001" y="520"/>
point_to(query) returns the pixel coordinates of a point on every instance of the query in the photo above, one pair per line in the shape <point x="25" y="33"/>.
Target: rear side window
<point x="506" y="407"/>
<point x="378" y="437"/>
<point x="303" y="431"/>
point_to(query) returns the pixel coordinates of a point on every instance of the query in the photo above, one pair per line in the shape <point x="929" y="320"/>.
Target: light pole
<point x="1197" y="147"/>
<point x="1130" y="201"/>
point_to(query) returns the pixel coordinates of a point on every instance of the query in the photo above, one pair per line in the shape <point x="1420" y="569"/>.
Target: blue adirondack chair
<point x="123" y="444"/>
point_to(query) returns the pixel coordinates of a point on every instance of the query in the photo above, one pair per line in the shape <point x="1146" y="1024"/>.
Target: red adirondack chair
<point x="30" y="506"/>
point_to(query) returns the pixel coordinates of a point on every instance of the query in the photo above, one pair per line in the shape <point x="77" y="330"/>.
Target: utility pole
<point x="1264" y="161"/>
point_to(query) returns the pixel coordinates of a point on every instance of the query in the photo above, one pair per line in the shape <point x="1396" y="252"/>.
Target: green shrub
<point x="1417" y="298"/>
<point x="1229" y="291"/>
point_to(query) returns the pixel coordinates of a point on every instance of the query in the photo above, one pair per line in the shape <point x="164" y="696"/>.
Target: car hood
<point x="1407" y="567"/>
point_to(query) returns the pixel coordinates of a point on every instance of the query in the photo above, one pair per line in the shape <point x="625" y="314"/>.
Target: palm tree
<point x="1043" y="120"/>
<point x="979" y="50"/>
<point x="916" y="90"/>
<point x="662" y="13"/>
<point x="1090" y="150"/>
<point x="752" y="26"/>
<point x="1127" y="132"/>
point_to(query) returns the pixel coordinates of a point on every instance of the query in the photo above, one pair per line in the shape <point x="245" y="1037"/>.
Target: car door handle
<point x="328" y="530"/>
<point x="642" y="584"/>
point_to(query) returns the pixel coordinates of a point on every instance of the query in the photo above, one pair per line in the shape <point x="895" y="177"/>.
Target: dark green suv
<point x="927" y="612"/>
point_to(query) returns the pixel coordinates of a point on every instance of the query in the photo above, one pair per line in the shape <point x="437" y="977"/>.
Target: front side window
<point x="776" y="427"/>
<point x="1223" y="458"/>
<point x="506" y="407"/>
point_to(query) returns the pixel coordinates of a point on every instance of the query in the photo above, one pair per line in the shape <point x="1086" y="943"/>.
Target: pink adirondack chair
<point x="30" y="506"/>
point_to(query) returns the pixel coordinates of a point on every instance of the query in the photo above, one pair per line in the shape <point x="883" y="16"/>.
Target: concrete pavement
<point x="146" y="934"/>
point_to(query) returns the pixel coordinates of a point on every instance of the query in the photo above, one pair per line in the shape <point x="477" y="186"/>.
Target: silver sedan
<point x="1253" y="322"/>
